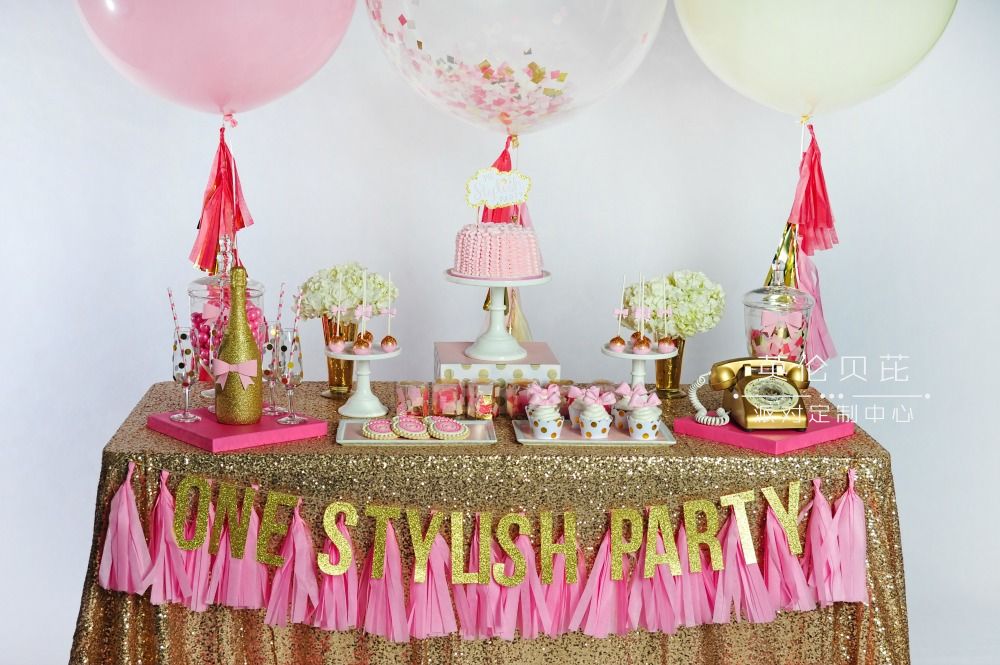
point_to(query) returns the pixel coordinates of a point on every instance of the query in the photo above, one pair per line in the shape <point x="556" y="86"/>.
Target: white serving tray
<point x="572" y="437"/>
<point x="481" y="433"/>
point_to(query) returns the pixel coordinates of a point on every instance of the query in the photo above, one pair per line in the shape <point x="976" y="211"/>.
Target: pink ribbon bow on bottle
<point x="645" y="399"/>
<point x="221" y="370"/>
<point x="625" y="390"/>
<point x="548" y="396"/>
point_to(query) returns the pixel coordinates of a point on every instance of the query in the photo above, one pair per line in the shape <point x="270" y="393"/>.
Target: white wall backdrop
<point x="100" y="188"/>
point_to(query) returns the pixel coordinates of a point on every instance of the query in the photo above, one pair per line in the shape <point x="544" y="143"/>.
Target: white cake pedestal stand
<point x="496" y="344"/>
<point x="638" y="361"/>
<point x="363" y="403"/>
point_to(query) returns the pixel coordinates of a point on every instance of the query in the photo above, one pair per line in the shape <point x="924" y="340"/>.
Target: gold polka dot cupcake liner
<point x="546" y="429"/>
<point x="595" y="429"/>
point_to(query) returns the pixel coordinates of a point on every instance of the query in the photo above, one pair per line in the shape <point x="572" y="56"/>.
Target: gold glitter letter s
<point x="550" y="548"/>
<point x="787" y="516"/>
<point x="270" y="527"/>
<point x="422" y="540"/>
<point x="659" y="522"/>
<point x="183" y="507"/>
<point x="345" y="554"/>
<point x="238" y="521"/>
<point x="507" y="545"/>
<point x="382" y="515"/>
<point x="696" y="538"/>
<point x="739" y="503"/>
<point x="620" y="546"/>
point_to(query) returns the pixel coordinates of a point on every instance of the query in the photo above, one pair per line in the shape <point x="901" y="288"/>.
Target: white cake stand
<point x="638" y="361"/>
<point x="496" y="344"/>
<point x="362" y="403"/>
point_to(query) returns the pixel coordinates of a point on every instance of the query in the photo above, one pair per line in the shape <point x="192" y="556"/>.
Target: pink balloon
<point x="220" y="56"/>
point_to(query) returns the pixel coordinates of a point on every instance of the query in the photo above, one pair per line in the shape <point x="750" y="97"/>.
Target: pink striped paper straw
<point x="173" y="312"/>
<point x="281" y="300"/>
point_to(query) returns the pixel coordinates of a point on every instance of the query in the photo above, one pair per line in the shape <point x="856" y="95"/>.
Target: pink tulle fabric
<point x="852" y="543"/>
<point x="294" y="584"/>
<point x="603" y="606"/>
<point x="337" y="608"/>
<point x="820" y="560"/>
<point x="125" y="558"/>
<point x="786" y="583"/>
<point x="561" y="597"/>
<point x="654" y="603"/>
<point x="697" y="590"/>
<point x="198" y="564"/>
<point x="523" y="608"/>
<point x="478" y="605"/>
<point x="167" y="579"/>
<point x="739" y="585"/>
<point x="239" y="583"/>
<point x="381" y="608"/>
<point x="431" y="613"/>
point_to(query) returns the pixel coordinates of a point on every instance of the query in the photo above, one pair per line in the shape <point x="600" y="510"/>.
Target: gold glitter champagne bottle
<point x="238" y="392"/>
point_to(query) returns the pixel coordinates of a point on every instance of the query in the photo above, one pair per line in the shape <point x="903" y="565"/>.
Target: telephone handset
<point x="761" y="393"/>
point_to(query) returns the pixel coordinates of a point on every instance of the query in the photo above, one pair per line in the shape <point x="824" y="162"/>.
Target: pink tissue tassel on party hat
<point x="852" y="543"/>
<point x="198" y="564"/>
<point x="820" y="560"/>
<point x="431" y="613"/>
<point x="562" y="597"/>
<point x="239" y="583"/>
<point x="381" y="608"/>
<point x="125" y="558"/>
<point x="740" y="584"/>
<point x="603" y="606"/>
<point x="295" y="582"/>
<point x="654" y="603"/>
<point x="697" y="590"/>
<point x="167" y="579"/>
<point x="478" y="605"/>
<point x="224" y="210"/>
<point x="337" y="608"/>
<point x="786" y="583"/>
<point x="522" y="607"/>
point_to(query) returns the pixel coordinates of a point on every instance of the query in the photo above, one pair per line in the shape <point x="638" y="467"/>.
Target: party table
<point x="114" y="627"/>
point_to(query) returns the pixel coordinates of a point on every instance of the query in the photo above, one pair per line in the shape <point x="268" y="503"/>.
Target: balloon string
<point x="228" y="119"/>
<point x="803" y="121"/>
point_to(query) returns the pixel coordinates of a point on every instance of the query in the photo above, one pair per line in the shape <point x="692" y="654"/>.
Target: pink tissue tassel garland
<point x="239" y="583"/>
<point x="740" y="584"/>
<point x="431" y="613"/>
<point x="654" y="603"/>
<point x="337" y="608"/>
<point x="198" y="564"/>
<point x="125" y="558"/>
<point x="224" y="210"/>
<point x="603" y="606"/>
<point x="561" y="597"/>
<point x="478" y="605"/>
<point x="522" y="607"/>
<point x="381" y="609"/>
<point x="295" y="582"/>
<point x="820" y="560"/>
<point x="852" y="543"/>
<point x="786" y="583"/>
<point x="167" y="579"/>
<point x="697" y="590"/>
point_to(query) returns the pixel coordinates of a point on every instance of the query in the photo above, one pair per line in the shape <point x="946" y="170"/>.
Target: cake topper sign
<point x="493" y="188"/>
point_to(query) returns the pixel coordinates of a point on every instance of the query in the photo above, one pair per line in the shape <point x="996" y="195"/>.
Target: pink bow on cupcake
<point x="625" y="390"/>
<point x="646" y="399"/>
<point x="597" y="397"/>
<point x="548" y="396"/>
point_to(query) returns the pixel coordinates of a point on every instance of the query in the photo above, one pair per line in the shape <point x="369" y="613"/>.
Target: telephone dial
<point x="761" y="393"/>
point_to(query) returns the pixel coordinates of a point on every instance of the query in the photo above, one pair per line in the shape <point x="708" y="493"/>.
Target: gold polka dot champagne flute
<point x="185" y="372"/>
<point x="289" y="367"/>
<point x="269" y="362"/>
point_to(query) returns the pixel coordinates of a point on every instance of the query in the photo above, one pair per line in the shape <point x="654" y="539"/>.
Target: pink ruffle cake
<point x="497" y="251"/>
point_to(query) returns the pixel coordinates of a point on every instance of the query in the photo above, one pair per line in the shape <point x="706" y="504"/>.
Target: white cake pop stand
<point x="638" y="361"/>
<point x="496" y="344"/>
<point x="363" y="403"/>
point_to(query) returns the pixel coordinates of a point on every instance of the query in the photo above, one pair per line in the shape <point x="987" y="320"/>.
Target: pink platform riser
<point x="771" y="442"/>
<point x="208" y="434"/>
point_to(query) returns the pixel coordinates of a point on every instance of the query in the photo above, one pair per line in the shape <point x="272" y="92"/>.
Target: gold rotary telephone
<point x="761" y="394"/>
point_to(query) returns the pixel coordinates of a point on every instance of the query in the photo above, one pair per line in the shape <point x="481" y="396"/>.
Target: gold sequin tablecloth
<point x="116" y="628"/>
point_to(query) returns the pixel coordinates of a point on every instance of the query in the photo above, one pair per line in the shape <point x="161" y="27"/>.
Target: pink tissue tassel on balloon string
<point x="810" y="227"/>
<point x="125" y="559"/>
<point x="431" y="613"/>
<point x="167" y="579"/>
<point x="381" y="607"/>
<point x="224" y="210"/>
<point x="295" y="582"/>
<point x="337" y="608"/>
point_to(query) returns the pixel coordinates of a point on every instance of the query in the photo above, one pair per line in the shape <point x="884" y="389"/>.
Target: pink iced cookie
<point x="378" y="428"/>
<point x="447" y="429"/>
<point x="408" y="427"/>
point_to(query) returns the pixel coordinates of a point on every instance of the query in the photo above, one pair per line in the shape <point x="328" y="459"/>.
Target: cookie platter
<point x="351" y="432"/>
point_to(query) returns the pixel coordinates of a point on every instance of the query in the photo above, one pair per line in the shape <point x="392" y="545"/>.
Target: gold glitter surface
<point x="120" y="629"/>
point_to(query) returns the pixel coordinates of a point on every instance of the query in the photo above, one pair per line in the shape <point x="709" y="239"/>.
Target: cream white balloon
<point x="812" y="56"/>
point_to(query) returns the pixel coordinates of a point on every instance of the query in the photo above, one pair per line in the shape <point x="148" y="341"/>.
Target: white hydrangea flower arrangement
<point x="681" y="304"/>
<point x="341" y="286"/>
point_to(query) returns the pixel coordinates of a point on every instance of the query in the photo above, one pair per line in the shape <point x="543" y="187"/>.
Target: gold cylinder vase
<point x="668" y="373"/>
<point x="340" y="373"/>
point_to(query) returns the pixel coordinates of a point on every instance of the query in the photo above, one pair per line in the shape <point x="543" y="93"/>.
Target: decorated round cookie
<point x="447" y="429"/>
<point x="408" y="427"/>
<point x="379" y="429"/>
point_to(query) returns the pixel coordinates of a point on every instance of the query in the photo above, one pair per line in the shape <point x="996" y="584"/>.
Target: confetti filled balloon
<point x="515" y="65"/>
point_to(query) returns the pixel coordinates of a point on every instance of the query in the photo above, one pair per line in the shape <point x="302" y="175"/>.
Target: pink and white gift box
<point x="541" y="364"/>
